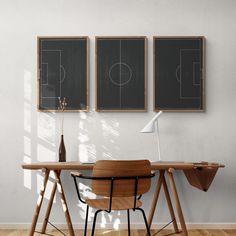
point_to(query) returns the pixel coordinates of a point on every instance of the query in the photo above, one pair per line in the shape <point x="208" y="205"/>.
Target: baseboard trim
<point x="123" y="226"/>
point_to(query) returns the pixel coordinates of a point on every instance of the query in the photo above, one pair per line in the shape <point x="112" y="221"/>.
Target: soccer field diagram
<point x="53" y="74"/>
<point x="178" y="73"/>
<point x="62" y="66"/>
<point x="120" y="73"/>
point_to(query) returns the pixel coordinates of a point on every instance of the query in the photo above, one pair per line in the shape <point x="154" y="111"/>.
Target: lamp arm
<point x="155" y="117"/>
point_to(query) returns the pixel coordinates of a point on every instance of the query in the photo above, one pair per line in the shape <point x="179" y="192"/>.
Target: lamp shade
<point x="150" y="127"/>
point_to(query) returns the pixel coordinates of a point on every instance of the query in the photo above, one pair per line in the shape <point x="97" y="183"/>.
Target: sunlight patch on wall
<point x="45" y="154"/>
<point x="27" y="173"/>
<point x="83" y="138"/>
<point x="27" y="146"/>
<point x="116" y="224"/>
<point x="82" y="211"/>
<point x="27" y="129"/>
<point x="49" y="187"/>
<point x="27" y="117"/>
<point x="110" y="129"/>
<point x="103" y="220"/>
<point x="107" y="155"/>
<point x="85" y="192"/>
<point x="83" y="115"/>
<point x="27" y="85"/>
<point x="87" y="152"/>
<point x="46" y="128"/>
<point x="39" y="182"/>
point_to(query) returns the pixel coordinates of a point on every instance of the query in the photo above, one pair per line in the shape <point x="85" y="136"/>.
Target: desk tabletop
<point x="163" y="165"/>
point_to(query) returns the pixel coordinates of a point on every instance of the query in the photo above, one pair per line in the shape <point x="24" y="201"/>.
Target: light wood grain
<point x="39" y="202"/>
<point x="155" y="198"/>
<point x="108" y="232"/>
<point x="63" y="202"/>
<point x="121" y="188"/>
<point x="169" y="203"/>
<point x="74" y="165"/>
<point x="177" y="203"/>
<point x="57" y="167"/>
<point x="46" y="218"/>
<point x="118" y="203"/>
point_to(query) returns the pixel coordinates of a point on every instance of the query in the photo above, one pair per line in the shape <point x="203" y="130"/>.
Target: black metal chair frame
<point x="112" y="179"/>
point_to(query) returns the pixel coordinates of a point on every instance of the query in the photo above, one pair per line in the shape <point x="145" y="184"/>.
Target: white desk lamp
<point x="150" y="128"/>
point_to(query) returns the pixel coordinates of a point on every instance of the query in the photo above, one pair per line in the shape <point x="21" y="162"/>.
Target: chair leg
<point x="94" y="221"/>
<point x="86" y="221"/>
<point x="145" y="220"/>
<point x="128" y="216"/>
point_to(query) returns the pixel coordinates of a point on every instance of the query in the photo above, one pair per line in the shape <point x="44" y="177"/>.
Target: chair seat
<point x="118" y="203"/>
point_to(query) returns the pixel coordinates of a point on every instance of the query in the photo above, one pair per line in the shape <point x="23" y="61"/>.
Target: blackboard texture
<point x="63" y="73"/>
<point x="121" y="73"/>
<point x="178" y="73"/>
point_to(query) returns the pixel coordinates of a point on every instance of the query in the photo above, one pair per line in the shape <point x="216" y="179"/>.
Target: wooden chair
<point x="120" y="185"/>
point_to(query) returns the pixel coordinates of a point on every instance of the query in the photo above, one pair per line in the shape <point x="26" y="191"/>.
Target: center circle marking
<point x="121" y="66"/>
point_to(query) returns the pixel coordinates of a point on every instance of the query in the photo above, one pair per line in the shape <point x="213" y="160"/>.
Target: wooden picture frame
<point x="63" y="71"/>
<point x="179" y="65"/>
<point x="120" y="73"/>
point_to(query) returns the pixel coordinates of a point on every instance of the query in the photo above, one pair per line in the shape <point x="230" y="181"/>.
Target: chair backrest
<point x="121" y="187"/>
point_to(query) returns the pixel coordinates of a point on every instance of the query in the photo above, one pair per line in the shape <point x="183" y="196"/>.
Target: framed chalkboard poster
<point x="179" y="73"/>
<point x="63" y="73"/>
<point x="121" y="73"/>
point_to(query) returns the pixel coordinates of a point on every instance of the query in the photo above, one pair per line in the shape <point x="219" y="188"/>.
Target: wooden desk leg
<point x="46" y="218"/>
<point x="168" y="199"/>
<point x="177" y="202"/>
<point x="64" y="204"/>
<point x="39" y="202"/>
<point x="155" y="198"/>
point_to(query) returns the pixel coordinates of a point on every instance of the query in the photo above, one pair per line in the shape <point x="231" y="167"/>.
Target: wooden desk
<point x="200" y="175"/>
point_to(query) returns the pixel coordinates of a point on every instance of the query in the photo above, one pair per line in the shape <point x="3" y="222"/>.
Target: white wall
<point x="27" y="135"/>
